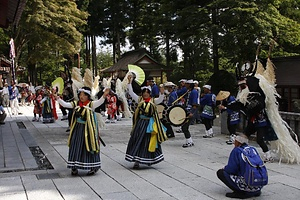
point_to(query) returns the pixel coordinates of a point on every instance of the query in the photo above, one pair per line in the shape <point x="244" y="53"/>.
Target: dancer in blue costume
<point x="208" y="102"/>
<point x="233" y="116"/>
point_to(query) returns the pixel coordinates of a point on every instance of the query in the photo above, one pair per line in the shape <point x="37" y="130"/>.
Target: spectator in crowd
<point x="2" y="115"/>
<point x="31" y="88"/>
<point x="24" y="94"/>
<point x="111" y="107"/>
<point x="5" y="94"/>
<point x="30" y="98"/>
<point x="13" y="100"/>
<point x="37" y="109"/>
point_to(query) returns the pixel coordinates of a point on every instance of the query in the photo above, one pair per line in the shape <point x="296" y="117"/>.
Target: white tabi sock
<point x="189" y="140"/>
<point x="210" y="131"/>
<point x="268" y="154"/>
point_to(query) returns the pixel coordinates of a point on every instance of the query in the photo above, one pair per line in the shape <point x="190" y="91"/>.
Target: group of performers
<point x="44" y="104"/>
<point x="197" y="106"/>
<point x="256" y="100"/>
<point x="183" y="106"/>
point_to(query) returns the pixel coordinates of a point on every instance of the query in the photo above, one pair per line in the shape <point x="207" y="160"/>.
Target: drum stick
<point x="179" y="98"/>
<point x="183" y="118"/>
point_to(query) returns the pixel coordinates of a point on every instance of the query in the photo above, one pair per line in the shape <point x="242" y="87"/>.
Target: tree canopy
<point x="212" y="35"/>
<point x="47" y="32"/>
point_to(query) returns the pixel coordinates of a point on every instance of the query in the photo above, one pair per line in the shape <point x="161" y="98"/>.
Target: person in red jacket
<point x="111" y="107"/>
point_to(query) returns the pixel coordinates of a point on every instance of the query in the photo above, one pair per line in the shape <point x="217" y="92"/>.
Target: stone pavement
<point x="188" y="173"/>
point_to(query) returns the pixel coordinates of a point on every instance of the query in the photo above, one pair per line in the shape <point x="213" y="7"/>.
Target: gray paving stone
<point x="1" y="160"/>
<point x="119" y="196"/>
<point x="29" y="140"/>
<point x="184" y="174"/>
<point x="11" y="185"/>
<point x="187" y="193"/>
<point x="106" y="186"/>
<point x="75" y="188"/>
<point x="15" y="196"/>
<point x="40" y="189"/>
<point x="30" y="164"/>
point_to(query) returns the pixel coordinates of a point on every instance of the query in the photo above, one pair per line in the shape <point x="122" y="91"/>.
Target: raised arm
<point x="100" y="101"/>
<point x="43" y="100"/>
<point x="134" y="96"/>
<point x="63" y="103"/>
<point x="160" y="97"/>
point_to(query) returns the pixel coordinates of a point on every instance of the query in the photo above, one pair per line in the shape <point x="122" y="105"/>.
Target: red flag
<point x="12" y="53"/>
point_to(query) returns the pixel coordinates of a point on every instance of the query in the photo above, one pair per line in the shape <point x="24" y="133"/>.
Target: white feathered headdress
<point x="88" y="78"/>
<point x="121" y="94"/>
<point x="77" y="81"/>
<point x="95" y="88"/>
<point x="286" y="148"/>
<point x="87" y="81"/>
<point x="269" y="73"/>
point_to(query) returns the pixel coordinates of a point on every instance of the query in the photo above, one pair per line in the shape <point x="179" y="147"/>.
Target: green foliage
<point x="212" y="35"/>
<point x="104" y="59"/>
<point x="243" y="23"/>
<point x="48" y="31"/>
<point x="55" y="23"/>
<point x="49" y="70"/>
<point x="203" y="76"/>
<point x="109" y="19"/>
<point x="223" y="80"/>
<point x="4" y="43"/>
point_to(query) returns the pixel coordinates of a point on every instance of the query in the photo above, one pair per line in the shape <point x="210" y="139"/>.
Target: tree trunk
<point x="31" y="73"/>
<point x="215" y="40"/>
<point x="118" y="48"/>
<point x="87" y="51"/>
<point x="114" y="50"/>
<point x="94" y="57"/>
<point x="35" y="76"/>
<point x="168" y="58"/>
<point x="32" y="68"/>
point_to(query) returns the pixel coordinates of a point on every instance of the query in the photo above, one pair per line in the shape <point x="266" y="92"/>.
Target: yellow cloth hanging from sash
<point x="90" y="129"/>
<point x="153" y="138"/>
<point x="158" y="133"/>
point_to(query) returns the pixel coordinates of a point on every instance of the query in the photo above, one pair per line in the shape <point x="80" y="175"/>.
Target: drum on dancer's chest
<point x="176" y="115"/>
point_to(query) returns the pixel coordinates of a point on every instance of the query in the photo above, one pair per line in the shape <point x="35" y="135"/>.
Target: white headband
<point x="241" y="139"/>
<point x="146" y="87"/>
<point x="85" y="91"/>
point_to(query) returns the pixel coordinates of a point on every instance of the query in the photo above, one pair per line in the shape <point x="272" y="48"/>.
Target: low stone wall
<point x="293" y="120"/>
